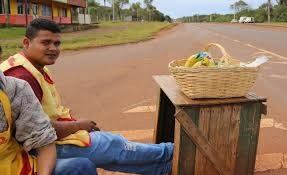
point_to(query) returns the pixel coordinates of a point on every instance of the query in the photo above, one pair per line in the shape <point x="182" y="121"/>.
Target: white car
<point x="245" y="19"/>
<point x="234" y="21"/>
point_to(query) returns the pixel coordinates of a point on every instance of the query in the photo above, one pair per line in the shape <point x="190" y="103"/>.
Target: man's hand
<point x="87" y="125"/>
<point x="64" y="128"/>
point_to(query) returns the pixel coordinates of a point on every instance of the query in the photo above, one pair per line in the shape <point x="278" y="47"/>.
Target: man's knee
<point x="118" y="139"/>
<point x="110" y="139"/>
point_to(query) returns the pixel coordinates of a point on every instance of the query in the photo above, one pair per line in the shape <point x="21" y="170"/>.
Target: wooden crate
<point x="211" y="136"/>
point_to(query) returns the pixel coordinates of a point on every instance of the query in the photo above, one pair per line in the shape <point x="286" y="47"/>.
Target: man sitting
<point x="78" y="138"/>
<point x="24" y="127"/>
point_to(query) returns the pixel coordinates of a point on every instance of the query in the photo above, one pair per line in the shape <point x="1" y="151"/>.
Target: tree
<point x="261" y="15"/>
<point x="280" y="13"/>
<point x="157" y="15"/>
<point x="135" y="9"/>
<point x="239" y="6"/>
<point x="149" y="12"/>
<point x="264" y="6"/>
<point x="118" y="5"/>
<point x="93" y="9"/>
<point x="91" y="3"/>
<point x="149" y="7"/>
<point x="167" y="18"/>
<point x="282" y="2"/>
<point x="121" y="4"/>
<point x="269" y="10"/>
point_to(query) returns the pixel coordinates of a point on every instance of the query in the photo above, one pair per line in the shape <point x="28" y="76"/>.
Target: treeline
<point x="102" y="10"/>
<point x="278" y="13"/>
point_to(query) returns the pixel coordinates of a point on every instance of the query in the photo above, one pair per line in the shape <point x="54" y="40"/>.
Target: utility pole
<point x="269" y="11"/>
<point x="234" y="11"/>
<point x="27" y="12"/>
<point x="6" y="7"/>
<point x="113" y="10"/>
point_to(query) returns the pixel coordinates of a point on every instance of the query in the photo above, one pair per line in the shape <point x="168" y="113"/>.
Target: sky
<point x="180" y="8"/>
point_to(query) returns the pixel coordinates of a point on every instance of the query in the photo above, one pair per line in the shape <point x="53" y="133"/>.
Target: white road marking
<point x="141" y="109"/>
<point x="136" y="134"/>
<point x="278" y="76"/>
<point x="250" y="45"/>
<point x="277" y="62"/>
<point x="254" y="47"/>
<point x="270" y="123"/>
<point x="266" y="51"/>
<point x="271" y="161"/>
<point x="224" y="36"/>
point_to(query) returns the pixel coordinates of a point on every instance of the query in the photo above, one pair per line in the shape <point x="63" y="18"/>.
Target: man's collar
<point x="39" y="69"/>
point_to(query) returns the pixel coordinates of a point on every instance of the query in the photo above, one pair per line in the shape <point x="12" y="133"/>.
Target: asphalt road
<point x="114" y="85"/>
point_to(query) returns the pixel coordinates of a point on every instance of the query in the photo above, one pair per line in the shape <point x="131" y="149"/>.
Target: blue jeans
<point x="75" y="166"/>
<point x="115" y="153"/>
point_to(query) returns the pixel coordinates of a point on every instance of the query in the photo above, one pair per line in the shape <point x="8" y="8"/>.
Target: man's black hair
<point x="41" y="24"/>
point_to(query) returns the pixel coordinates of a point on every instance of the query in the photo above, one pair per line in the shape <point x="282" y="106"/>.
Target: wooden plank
<point x="188" y="148"/>
<point x="201" y="142"/>
<point x="187" y="155"/>
<point x="203" y="126"/>
<point x="223" y="145"/>
<point x="214" y="136"/>
<point x="243" y="142"/>
<point x="255" y="125"/>
<point x="176" y="150"/>
<point x="246" y="136"/>
<point x="168" y="85"/>
<point x="233" y="137"/>
<point x="164" y="130"/>
<point x="157" y="118"/>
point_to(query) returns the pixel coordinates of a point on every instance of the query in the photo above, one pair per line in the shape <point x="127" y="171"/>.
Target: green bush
<point x="260" y="15"/>
<point x="280" y="13"/>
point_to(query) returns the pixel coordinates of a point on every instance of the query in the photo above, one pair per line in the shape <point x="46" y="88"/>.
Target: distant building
<point x="61" y="11"/>
<point x="128" y="18"/>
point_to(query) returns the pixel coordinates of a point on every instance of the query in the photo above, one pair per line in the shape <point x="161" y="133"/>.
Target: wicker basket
<point x="214" y="82"/>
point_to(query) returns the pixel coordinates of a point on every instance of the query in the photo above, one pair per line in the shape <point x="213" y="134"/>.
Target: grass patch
<point x="11" y="33"/>
<point x="116" y="33"/>
<point x="107" y="34"/>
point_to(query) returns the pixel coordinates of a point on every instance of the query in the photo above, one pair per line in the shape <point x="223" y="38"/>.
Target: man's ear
<point x="26" y="43"/>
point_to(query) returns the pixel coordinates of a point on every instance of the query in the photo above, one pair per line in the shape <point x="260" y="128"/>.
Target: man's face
<point x="44" y="49"/>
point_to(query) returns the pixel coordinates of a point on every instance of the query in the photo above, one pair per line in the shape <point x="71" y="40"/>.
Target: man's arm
<point x="32" y="125"/>
<point x="64" y="129"/>
<point x="46" y="159"/>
